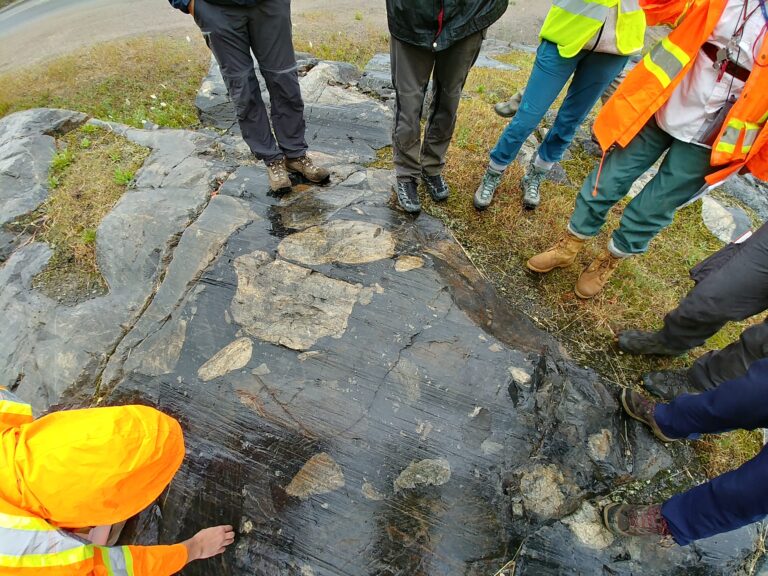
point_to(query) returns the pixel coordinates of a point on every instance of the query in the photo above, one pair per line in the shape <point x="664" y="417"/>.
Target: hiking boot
<point x="487" y="188"/>
<point x="669" y="384"/>
<point x="561" y="255"/>
<point x="596" y="275"/>
<point x="630" y="520"/>
<point x="407" y="192"/>
<point x="436" y="186"/>
<point x="510" y="107"/>
<point x="307" y="168"/>
<point x="641" y="409"/>
<point x="279" y="182"/>
<point x="531" y="183"/>
<point x="641" y="342"/>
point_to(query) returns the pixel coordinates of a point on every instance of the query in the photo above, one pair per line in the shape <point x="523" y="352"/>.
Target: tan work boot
<point x="561" y="255"/>
<point x="594" y="278"/>
<point x="279" y="182"/>
<point x="308" y="169"/>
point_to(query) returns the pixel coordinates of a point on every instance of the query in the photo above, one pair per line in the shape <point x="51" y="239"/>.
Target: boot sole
<point x="314" y="181"/>
<point x="545" y="270"/>
<point x="653" y="428"/>
<point x="583" y="296"/>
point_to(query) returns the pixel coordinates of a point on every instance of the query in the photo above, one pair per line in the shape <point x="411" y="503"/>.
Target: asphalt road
<point x="35" y="30"/>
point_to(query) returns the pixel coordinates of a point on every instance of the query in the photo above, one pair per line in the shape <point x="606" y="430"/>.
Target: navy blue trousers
<point x="739" y="497"/>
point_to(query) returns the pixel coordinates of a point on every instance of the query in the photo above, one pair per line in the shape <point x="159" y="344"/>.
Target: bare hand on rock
<point x="209" y="542"/>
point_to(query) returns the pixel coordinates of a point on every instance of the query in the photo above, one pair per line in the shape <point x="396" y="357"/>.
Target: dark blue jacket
<point x="183" y="5"/>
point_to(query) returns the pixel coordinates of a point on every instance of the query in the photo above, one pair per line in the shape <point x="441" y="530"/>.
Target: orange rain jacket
<point x="77" y="469"/>
<point x="743" y="140"/>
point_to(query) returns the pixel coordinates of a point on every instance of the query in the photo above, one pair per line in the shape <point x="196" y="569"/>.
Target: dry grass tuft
<point x="89" y="174"/>
<point x="127" y="81"/>
<point x="357" y="44"/>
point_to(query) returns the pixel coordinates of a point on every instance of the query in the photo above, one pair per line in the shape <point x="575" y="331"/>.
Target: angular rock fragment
<point x="429" y="472"/>
<point x="408" y="263"/>
<point x="545" y="491"/>
<point x="289" y="305"/>
<point x="344" y="241"/>
<point x="320" y="475"/>
<point x="234" y="356"/>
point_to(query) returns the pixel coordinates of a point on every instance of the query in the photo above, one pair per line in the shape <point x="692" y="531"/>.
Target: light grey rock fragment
<point x="428" y="472"/>
<point x="344" y="241"/>
<point x="285" y="304"/>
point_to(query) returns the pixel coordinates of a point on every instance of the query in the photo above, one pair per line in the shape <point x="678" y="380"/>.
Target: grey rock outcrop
<point x="356" y="397"/>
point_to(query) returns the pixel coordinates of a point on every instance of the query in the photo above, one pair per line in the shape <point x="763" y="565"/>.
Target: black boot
<point x="640" y="342"/>
<point x="669" y="384"/>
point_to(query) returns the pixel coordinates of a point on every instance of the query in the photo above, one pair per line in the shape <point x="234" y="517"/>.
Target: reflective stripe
<point x="628" y="6"/>
<point x="11" y="407"/>
<point x="583" y="8"/>
<point x="79" y="554"/>
<point x="24" y="523"/>
<point x="20" y="542"/>
<point x="118" y="561"/>
<point x="666" y="61"/>
<point x="753" y="130"/>
<point x="764" y="119"/>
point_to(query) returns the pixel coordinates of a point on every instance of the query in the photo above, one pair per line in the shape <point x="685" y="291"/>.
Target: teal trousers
<point x="680" y="178"/>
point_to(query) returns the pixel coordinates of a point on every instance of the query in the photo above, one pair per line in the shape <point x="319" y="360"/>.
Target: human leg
<point x="737" y="290"/>
<point x="269" y="27"/>
<point x="593" y="75"/>
<point x="450" y="74"/>
<point x="728" y="502"/>
<point x="680" y="177"/>
<point x="550" y="73"/>
<point x="226" y="30"/>
<point x="411" y="70"/>
<point x="621" y="167"/>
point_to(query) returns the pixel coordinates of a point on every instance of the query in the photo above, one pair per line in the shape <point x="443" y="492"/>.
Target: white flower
<point x="153" y="97"/>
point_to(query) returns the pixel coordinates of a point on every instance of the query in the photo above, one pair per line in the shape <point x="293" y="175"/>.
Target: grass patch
<point x="126" y="81"/>
<point x="86" y="181"/>
<point x="357" y="45"/>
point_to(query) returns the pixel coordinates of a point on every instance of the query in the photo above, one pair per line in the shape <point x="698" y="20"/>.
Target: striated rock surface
<point x="356" y="398"/>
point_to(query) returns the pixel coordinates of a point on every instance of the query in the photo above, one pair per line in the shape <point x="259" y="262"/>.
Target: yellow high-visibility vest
<point x="572" y="23"/>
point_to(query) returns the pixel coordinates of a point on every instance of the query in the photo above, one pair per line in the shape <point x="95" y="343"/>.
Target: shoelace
<point x="534" y="182"/>
<point x="278" y="169"/>
<point x="403" y="192"/>
<point x="490" y="182"/>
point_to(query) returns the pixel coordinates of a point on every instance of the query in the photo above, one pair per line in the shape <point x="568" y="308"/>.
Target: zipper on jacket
<point x="440" y="16"/>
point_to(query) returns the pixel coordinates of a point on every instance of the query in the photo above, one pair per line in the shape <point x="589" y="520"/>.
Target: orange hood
<point x="93" y="467"/>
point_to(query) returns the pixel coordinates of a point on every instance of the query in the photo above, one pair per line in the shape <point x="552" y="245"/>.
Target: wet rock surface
<point x="355" y="397"/>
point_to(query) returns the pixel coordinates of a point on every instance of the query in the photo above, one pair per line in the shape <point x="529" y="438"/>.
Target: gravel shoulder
<point x="35" y="30"/>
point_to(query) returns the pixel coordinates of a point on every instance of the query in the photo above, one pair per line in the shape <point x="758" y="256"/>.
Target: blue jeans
<point x="736" y="498"/>
<point x="592" y="73"/>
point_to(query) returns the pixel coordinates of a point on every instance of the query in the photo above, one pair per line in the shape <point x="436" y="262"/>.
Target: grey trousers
<point x="735" y="291"/>
<point x="231" y="32"/>
<point x="412" y="68"/>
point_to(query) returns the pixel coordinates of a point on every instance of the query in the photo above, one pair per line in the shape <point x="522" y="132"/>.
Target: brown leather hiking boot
<point x="630" y="520"/>
<point x="307" y="168"/>
<point x="279" y="182"/>
<point x="561" y="255"/>
<point x="596" y="275"/>
<point x="641" y="409"/>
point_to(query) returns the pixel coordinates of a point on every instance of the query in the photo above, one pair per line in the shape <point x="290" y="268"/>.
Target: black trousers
<point x="412" y="68"/>
<point x="231" y="33"/>
<point x="735" y="291"/>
